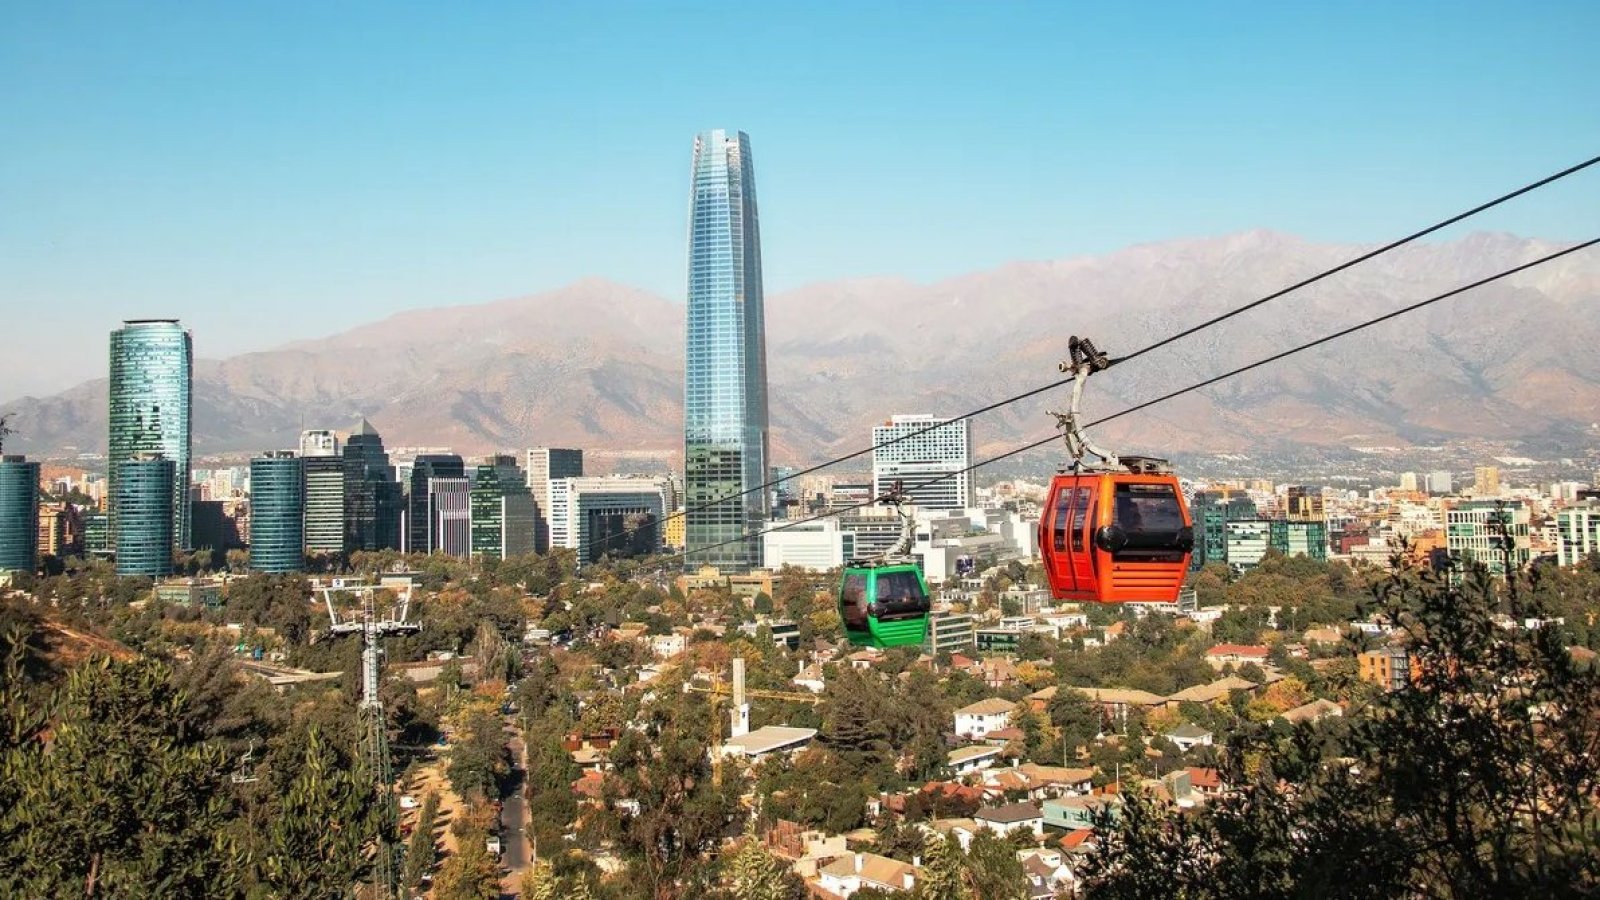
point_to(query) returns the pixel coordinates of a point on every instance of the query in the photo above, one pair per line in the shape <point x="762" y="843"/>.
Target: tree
<point x="1476" y="780"/>
<point x="1075" y="715"/>
<point x="471" y="873"/>
<point x="993" y="870"/>
<point x="315" y="838"/>
<point x="420" y="850"/>
<point x="755" y="874"/>
<point x="539" y="883"/>
<point x="479" y="760"/>
<point x="943" y="872"/>
<point x="129" y="800"/>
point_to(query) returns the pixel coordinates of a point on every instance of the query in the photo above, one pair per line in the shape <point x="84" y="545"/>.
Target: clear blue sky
<point x="272" y="171"/>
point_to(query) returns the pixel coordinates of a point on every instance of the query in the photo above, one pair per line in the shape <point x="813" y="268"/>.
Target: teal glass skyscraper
<point x="152" y="374"/>
<point x="143" y="501"/>
<point x="19" y="514"/>
<point x="277" y="513"/>
<point x="725" y="371"/>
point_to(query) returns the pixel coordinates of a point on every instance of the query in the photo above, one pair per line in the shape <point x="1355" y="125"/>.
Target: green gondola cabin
<point x="884" y="603"/>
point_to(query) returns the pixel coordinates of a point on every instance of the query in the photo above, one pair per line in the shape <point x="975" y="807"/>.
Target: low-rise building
<point x="1187" y="736"/>
<point x="854" y="871"/>
<point x="1012" y="817"/>
<point x="1073" y="813"/>
<point x="971" y="759"/>
<point x="1236" y="655"/>
<point x="1311" y="712"/>
<point x="978" y="719"/>
<point x="1390" y="668"/>
<point x="768" y="740"/>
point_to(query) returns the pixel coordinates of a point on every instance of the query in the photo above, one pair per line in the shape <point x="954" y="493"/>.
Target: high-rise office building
<point x="372" y="495"/>
<point x="152" y="376"/>
<point x="19" y="514"/>
<point x="277" y="513"/>
<point x="930" y="467"/>
<point x="1440" y="483"/>
<point x="725" y="376"/>
<point x="418" y="530"/>
<point x="545" y="464"/>
<point x="609" y="516"/>
<point x="1408" y="481"/>
<point x="1577" y="532"/>
<point x="324" y="504"/>
<point x="1489" y="532"/>
<point x="142" y="509"/>
<point x="503" y="511"/>
<point x="450" y="516"/>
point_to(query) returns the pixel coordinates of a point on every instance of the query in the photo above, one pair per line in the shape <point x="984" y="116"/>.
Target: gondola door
<point x="1083" y="522"/>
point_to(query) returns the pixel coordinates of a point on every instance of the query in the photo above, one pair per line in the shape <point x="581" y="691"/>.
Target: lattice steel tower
<point x="374" y="733"/>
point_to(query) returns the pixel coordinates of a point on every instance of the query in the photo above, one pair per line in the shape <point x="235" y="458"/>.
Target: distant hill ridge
<point x="598" y="364"/>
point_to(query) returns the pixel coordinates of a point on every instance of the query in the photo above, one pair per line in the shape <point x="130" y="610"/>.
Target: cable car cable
<point x="1181" y="391"/>
<point x="1348" y="264"/>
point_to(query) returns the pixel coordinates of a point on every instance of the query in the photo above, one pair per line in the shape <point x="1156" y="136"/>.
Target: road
<point x="514" y="822"/>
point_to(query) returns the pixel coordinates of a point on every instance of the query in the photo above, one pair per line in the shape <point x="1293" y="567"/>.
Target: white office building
<point x="450" y="516"/>
<point x="620" y="515"/>
<point x="814" y="546"/>
<point x="545" y="464"/>
<point x="930" y="467"/>
<point x="1578" y="531"/>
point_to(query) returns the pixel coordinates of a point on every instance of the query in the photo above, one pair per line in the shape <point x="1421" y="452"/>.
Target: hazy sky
<point x="272" y="171"/>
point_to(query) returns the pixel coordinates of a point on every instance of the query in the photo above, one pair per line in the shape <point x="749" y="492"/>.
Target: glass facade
<point x="725" y="372"/>
<point x="372" y="496"/>
<point x="19" y="514"/>
<point x="142" y="509"/>
<point x="503" y="519"/>
<point x="324" y="504"/>
<point x="152" y="375"/>
<point x="418" y="531"/>
<point x="277" y="511"/>
<point x="931" y="467"/>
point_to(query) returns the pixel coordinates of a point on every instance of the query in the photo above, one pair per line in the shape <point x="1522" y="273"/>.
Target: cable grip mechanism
<point x="1084" y="359"/>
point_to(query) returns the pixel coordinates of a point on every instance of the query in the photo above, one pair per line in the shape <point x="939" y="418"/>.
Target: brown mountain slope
<point x="598" y="364"/>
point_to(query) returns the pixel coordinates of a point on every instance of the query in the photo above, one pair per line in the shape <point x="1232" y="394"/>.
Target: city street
<point x="516" y="856"/>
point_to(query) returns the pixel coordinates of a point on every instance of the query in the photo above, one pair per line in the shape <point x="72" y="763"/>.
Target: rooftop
<point x="767" y="739"/>
<point x="1190" y="731"/>
<point x="872" y="868"/>
<point x="1255" y="650"/>
<point x="990" y="707"/>
<point x="1313" y="711"/>
<point x="1216" y="690"/>
<point x="1009" y="814"/>
<point x="970" y="754"/>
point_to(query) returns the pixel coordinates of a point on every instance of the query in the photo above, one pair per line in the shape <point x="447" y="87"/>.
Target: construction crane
<point x="374" y="730"/>
<point x="740" y="713"/>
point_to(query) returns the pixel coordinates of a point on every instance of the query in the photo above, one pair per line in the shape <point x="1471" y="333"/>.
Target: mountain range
<point x="597" y="364"/>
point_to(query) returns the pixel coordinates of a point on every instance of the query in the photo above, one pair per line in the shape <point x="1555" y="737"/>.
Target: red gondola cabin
<point x="1115" y="536"/>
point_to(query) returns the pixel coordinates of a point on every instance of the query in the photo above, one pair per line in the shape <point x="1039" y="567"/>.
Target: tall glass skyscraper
<point x="152" y="374"/>
<point x="277" y="510"/>
<point x="145" y="522"/>
<point x="19" y="514"/>
<point x="372" y="496"/>
<point x="725" y="373"/>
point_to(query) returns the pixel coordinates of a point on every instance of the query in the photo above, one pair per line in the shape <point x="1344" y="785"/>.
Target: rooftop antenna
<point x="374" y="735"/>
